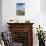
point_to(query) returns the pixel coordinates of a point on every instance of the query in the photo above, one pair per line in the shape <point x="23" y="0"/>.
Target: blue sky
<point x="20" y="6"/>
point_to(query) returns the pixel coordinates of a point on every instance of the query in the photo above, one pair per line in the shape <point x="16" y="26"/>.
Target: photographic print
<point x="20" y="8"/>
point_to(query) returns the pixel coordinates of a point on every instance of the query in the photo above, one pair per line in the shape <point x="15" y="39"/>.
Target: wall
<point x="33" y="13"/>
<point x="43" y="14"/>
<point x="0" y="15"/>
<point x="9" y="11"/>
